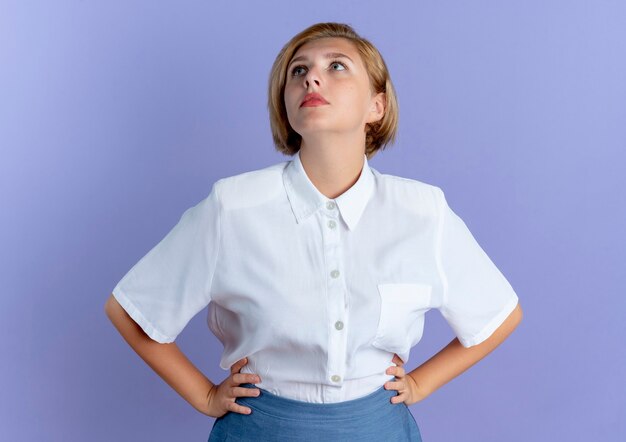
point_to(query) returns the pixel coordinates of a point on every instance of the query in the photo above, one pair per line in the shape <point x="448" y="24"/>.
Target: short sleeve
<point x="476" y="298"/>
<point x="172" y="282"/>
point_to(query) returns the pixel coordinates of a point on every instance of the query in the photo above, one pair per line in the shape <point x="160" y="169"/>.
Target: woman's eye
<point x="339" y="63"/>
<point x="294" y="71"/>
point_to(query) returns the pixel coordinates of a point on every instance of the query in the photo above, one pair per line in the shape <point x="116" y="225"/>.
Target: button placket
<point x="336" y="300"/>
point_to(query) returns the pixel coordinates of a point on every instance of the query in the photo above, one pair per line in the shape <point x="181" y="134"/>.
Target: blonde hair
<point x="379" y="133"/>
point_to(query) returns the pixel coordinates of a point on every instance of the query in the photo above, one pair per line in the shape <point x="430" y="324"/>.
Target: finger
<point x="233" y="406"/>
<point x="394" y="385"/>
<point x="396" y="359"/>
<point x="244" y="391"/>
<point x="240" y="378"/>
<point x="397" y="398"/>
<point x="237" y="365"/>
<point x="397" y="371"/>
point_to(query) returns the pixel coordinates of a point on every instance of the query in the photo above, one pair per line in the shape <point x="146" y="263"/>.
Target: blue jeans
<point x="371" y="418"/>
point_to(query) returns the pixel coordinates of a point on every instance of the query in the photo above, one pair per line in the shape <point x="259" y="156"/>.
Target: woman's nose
<point x="311" y="77"/>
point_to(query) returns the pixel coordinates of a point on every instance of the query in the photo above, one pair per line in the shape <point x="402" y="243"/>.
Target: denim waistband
<point x="287" y="408"/>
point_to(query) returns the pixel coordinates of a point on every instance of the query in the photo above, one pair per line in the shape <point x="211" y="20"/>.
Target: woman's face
<point x="342" y="81"/>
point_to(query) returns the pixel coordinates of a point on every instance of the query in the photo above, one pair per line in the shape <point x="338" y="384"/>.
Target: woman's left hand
<point x="409" y="391"/>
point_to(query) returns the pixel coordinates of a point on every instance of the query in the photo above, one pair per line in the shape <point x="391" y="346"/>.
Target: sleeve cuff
<point x="140" y="319"/>
<point x="491" y="326"/>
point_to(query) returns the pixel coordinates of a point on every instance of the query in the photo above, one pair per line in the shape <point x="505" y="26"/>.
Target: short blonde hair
<point x="379" y="133"/>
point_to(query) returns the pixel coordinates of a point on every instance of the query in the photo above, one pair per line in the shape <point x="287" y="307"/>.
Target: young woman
<point x="318" y="271"/>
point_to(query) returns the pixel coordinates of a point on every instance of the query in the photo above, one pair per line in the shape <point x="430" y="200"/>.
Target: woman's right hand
<point x="221" y="398"/>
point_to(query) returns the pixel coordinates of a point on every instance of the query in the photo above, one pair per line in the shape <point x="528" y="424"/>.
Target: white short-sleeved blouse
<point x="318" y="293"/>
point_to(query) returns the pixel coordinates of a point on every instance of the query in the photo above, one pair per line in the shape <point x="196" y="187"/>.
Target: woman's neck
<point x="331" y="168"/>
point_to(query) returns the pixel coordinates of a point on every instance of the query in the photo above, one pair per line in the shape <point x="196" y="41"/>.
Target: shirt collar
<point x="305" y="199"/>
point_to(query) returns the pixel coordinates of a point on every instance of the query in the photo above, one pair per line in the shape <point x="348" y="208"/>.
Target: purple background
<point x="117" y="116"/>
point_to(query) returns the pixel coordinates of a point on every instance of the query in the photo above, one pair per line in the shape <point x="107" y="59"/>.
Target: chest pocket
<point x="401" y="320"/>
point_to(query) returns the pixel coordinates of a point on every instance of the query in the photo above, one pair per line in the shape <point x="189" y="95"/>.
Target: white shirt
<point x="318" y="293"/>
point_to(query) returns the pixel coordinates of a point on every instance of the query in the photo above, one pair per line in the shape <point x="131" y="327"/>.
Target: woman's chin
<point x="311" y="126"/>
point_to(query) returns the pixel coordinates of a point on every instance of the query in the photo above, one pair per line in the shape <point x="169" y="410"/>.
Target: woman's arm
<point x="165" y="359"/>
<point x="454" y="359"/>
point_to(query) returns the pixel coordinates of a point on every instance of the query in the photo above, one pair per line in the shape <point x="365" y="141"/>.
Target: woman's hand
<point x="409" y="390"/>
<point x="221" y="398"/>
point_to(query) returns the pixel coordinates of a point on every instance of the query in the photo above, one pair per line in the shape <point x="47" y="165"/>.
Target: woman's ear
<point x="377" y="109"/>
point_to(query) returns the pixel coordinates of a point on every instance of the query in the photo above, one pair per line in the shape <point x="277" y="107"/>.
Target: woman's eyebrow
<point x="327" y="55"/>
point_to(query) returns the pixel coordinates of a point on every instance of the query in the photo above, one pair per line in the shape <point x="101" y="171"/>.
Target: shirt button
<point x="335" y="378"/>
<point x="330" y="205"/>
<point x="332" y="224"/>
<point x="338" y="325"/>
<point x="335" y="273"/>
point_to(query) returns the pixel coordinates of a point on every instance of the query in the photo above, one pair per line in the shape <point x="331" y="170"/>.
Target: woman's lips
<point x="313" y="102"/>
<point x="313" y="99"/>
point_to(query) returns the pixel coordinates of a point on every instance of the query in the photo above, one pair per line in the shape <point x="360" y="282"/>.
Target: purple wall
<point x="115" y="117"/>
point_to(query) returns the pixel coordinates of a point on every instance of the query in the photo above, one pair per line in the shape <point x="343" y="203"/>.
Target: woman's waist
<point x="365" y="407"/>
<point x="319" y="393"/>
